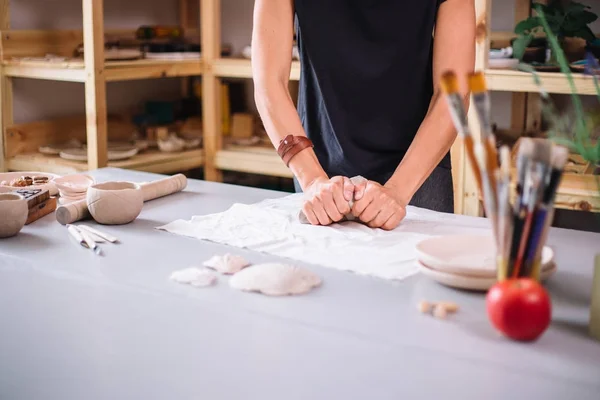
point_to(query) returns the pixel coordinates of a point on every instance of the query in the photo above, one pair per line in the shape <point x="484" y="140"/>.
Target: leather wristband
<point x="292" y="145"/>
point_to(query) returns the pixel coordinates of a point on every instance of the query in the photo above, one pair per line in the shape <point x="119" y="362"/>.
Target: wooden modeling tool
<point x="449" y="85"/>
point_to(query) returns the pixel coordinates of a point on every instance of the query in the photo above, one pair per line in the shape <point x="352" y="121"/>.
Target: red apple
<point x="519" y="308"/>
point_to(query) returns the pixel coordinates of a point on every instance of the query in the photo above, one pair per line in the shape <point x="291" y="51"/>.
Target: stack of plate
<point x="467" y="261"/>
<point x="73" y="187"/>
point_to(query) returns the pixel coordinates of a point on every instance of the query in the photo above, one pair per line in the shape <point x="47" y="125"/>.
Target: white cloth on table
<point x="272" y="227"/>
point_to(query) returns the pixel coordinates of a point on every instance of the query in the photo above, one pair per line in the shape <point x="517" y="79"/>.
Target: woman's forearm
<point x="271" y="63"/>
<point x="454" y="49"/>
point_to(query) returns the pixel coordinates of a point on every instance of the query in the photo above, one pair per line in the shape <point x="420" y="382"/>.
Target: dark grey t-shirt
<point x="366" y="80"/>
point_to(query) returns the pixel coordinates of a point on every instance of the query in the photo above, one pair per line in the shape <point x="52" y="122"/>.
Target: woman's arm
<point x="454" y="49"/>
<point x="272" y="39"/>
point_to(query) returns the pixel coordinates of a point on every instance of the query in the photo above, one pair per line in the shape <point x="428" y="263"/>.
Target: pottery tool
<point x="356" y="180"/>
<point x="41" y="210"/>
<point x="505" y="219"/>
<point x="543" y="216"/>
<point x="449" y="84"/>
<point x="78" y="210"/>
<point x="91" y="244"/>
<point x="100" y="234"/>
<point x="76" y="234"/>
<point x="34" y="196"/>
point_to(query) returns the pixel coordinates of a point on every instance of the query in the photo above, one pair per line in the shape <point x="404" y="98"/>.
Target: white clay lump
<point x="227" y="264"/>
<point x="275" y="280"/>
<point x="197" y="277"/>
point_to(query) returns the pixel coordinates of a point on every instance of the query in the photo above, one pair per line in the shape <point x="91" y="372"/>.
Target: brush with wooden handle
<point x="449" y="85"/>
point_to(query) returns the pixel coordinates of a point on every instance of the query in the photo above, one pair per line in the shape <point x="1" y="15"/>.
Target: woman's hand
<point x="378" y="206"/>
<point x="327" y="200"/>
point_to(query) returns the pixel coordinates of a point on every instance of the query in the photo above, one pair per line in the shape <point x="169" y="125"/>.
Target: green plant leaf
<point x="527" y="25"/>
<point x="588" y="17"/>
<point x="584" y="33"/>
<point x="520" y="44"/>
<point x="574" y="7"/>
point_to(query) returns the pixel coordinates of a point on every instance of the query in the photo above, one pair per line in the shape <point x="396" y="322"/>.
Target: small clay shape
<point x="197" y="277"/>
<point x="424" y="307"/>
<point x="227" y="264"/>
<point x="439" y="311"/>
<point x="275" y="279"/>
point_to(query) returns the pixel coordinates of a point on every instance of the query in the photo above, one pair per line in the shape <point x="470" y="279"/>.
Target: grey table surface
<point x="77" y="326"/>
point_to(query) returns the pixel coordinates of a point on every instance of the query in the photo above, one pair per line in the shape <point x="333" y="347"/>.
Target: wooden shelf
<point x="252" y="159"/>
<point x="148" y="161"/>
<point x="73" y="70"/>
<point x="242" y="68"/>
<point x="552" y="82"/>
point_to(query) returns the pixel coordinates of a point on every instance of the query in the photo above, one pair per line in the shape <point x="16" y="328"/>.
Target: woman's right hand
<point x="327" y="200"/>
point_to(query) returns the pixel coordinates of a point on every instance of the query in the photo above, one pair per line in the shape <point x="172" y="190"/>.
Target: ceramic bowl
<point x="73" y="185"/>
<point x="115" y="203"/>
<point x="14" y="210"/>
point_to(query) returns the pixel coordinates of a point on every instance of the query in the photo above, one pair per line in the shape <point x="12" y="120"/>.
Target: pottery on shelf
<point x="13" y="209"/>
<point x="115" y="203"/>
<point x="172" y="144"/>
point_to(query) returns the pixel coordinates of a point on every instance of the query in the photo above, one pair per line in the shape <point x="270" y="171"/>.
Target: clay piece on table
<point x="226" y="264"/>
<point x="274" y="279"/>
<point x="197" y="277"/>
<point x="356" y="180"/>
<point x="115" y="203"/>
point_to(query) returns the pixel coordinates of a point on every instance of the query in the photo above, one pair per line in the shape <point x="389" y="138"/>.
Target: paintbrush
<point x="489" y="191"/>
<point x="449" y="85"/>
<point x="481" y="101"/>
<point x="543" y="216"/>
<point x="534" y="158"/>
<point x="504" y="213"/>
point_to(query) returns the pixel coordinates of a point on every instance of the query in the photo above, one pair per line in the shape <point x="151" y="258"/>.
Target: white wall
<point x="36" y="100"/>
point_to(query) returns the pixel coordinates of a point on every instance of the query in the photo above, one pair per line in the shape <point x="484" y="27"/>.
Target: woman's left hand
<point x="378" y="206"/>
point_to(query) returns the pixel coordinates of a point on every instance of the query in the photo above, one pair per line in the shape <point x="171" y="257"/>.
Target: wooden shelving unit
<point x="23" y="54"/>
<point x="577" y="191"/>
<point x="94" y="73"/>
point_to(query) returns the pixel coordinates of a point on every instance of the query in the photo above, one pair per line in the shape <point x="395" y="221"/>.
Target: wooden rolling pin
<point x="76" y="211"/>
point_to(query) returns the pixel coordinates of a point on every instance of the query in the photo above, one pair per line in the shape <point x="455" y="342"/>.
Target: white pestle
<point x="78" y="210"/>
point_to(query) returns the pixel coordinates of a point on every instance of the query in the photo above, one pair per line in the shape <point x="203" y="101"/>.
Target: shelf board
<point x="242" y="68"/>
<point x="553" y="82"/>
<point x="148" y="161"/>
<point x="252" y="159"/>
<point x="73" y="70"/>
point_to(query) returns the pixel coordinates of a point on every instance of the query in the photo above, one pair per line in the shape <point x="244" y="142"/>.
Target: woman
<point x="367" y="104"/>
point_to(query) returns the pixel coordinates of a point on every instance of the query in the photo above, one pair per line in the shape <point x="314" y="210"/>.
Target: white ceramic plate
<point x="50" y="186"/>
<point x="503" y="63"/>
<point x="472" y="283"/>
<point x="468" y="255"/>
<point x="113" y="155"/>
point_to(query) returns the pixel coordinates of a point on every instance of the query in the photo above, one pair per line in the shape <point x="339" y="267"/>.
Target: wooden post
<point x="95" y="83"/>
<point x="184" y="23"/>
<point x="6" y="93"/>
<point x="467" y="201"/>
<point x="595" y="305"/>
<point x="210" y="24"/>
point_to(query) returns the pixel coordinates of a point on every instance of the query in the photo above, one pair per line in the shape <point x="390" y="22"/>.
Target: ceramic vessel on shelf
<point x="115" y="203"/>
<point x="13" y="209"/>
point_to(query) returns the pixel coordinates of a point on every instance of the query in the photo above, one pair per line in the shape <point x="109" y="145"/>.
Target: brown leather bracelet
<point x="292" y="145"/>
